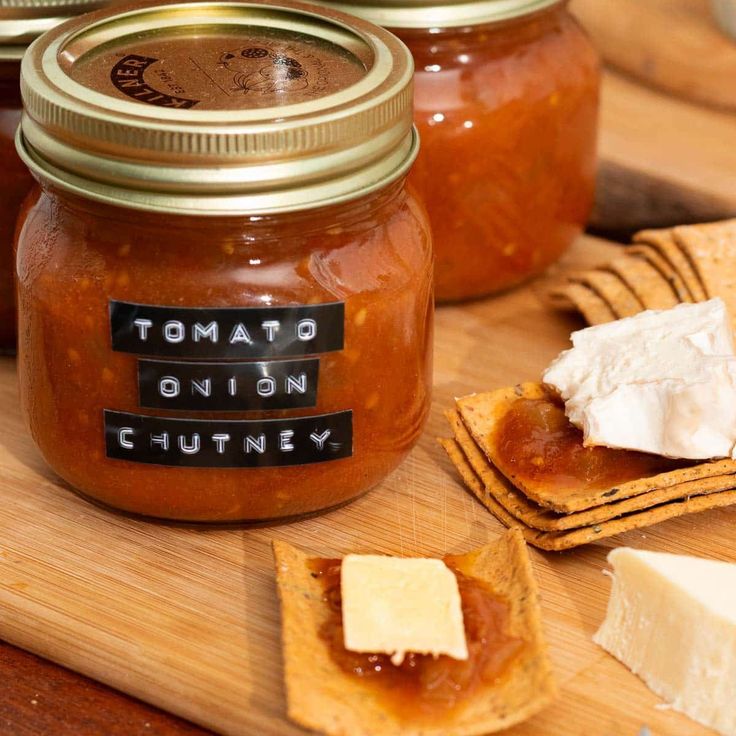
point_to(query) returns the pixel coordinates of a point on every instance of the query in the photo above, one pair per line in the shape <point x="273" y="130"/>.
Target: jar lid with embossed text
<point x="22" y="21"/>
<point x="215" y="108"/>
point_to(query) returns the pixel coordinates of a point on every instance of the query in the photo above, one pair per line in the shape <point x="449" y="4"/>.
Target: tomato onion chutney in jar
<point x="20" y="24"/>
<point x="224" y="287"/>
<point x="506" y="102"/>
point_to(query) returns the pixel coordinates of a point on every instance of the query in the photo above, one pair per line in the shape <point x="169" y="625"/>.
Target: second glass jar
<point x="506" y="102"/>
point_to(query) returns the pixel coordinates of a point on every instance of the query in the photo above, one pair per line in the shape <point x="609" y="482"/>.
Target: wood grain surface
<point x="187" y="618"/>
<point x="673" y="45"/>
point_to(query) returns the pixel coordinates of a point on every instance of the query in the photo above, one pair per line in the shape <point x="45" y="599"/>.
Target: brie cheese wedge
<point x="662" y="382"/>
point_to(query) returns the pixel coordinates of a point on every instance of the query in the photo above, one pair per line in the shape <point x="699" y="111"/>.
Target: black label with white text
<point x="228" y="444"/>
<point x="258" y="385"/>
<point x="227" y="333"/>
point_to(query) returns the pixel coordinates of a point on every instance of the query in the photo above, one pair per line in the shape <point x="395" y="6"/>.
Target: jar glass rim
<point x="419" y="14"/>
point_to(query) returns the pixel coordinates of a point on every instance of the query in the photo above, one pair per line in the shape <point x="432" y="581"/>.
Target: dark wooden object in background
<point x="668" y="116"/>
<point x="663" y="161"/>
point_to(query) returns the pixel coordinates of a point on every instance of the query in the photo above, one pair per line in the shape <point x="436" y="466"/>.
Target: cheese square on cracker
<point x="395" y="605"/>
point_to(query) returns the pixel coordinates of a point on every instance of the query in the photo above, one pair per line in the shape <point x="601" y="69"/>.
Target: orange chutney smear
<point x="425" y="686"/>
<point x="536" y="443"/>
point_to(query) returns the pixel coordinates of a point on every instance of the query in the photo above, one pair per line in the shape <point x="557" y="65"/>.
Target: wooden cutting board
<point x="188" y="618"/>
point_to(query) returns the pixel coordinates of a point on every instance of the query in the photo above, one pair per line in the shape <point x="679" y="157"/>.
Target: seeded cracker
<point x="324" y="698"/>
<point x="586" y="301"/>
<point x="481" y="413"/>
<point x="612" y="290"/>
<point x="559" y="541"/>
<point x="663" y="242"/>
<point x="496" y="485"/>
<point x="645" y="281"/>
<point x="711" y="249"/>
<point x="652" y="256"/>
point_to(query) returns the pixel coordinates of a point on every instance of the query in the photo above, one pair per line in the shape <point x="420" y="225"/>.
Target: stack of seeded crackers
<point x="662" y="268"/>
<point x="556" y="508"/>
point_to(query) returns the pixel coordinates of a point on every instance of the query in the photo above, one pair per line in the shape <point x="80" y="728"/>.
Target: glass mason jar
<point x="224" y="286"/>
<point x="506" y="102"/>
<point x="19" y="25"/>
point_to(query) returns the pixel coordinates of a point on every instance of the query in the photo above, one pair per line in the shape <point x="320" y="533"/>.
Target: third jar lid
<point x="22" y="21"/>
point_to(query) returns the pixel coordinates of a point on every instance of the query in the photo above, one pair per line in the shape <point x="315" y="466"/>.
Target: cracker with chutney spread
<point x="563" y="540"/>
<point x="496" y="486"/>
<point x="325" y="696"/>
<point x="521" y="428"/>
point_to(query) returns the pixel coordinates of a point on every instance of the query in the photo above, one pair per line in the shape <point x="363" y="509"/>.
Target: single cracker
<point x="645" y="281"/>
<point x="559" y="541"/>
<point x="535" y="516"/>
<point x="595" y="311"/>
<point x="481" y="414"/>
<point x="653" y="257"/>
<point x="612" y="290"/>
<point x="711" y="250"/>
<point x="663" y="241"/>
<point x="321" y="696"/>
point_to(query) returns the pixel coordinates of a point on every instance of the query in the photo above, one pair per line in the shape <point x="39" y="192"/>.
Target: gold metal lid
<point x="215" y="108"/>
<point x="433" y="14"/>
<point x="22" y="21"/>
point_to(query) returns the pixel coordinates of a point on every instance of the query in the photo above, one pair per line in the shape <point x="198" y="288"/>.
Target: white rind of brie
<point x="672" y="620"/>
<point x="662" y="382"/>
<point x="396" y="605"/>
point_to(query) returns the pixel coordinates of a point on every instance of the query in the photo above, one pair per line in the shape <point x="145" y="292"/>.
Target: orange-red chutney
<point x="536" y="444"/>
<point x="74" y="256"/>
<point x="15" y="183"/>
<point x="507" y="114"/>
<point x="424" y="686"/>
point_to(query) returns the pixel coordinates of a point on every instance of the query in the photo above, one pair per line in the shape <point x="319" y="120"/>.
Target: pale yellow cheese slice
<point x="672" y="620"/>
<point x="393" y="605"/>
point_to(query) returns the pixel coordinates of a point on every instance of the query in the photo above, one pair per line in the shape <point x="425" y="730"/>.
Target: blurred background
<point x="668" y="115"/>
